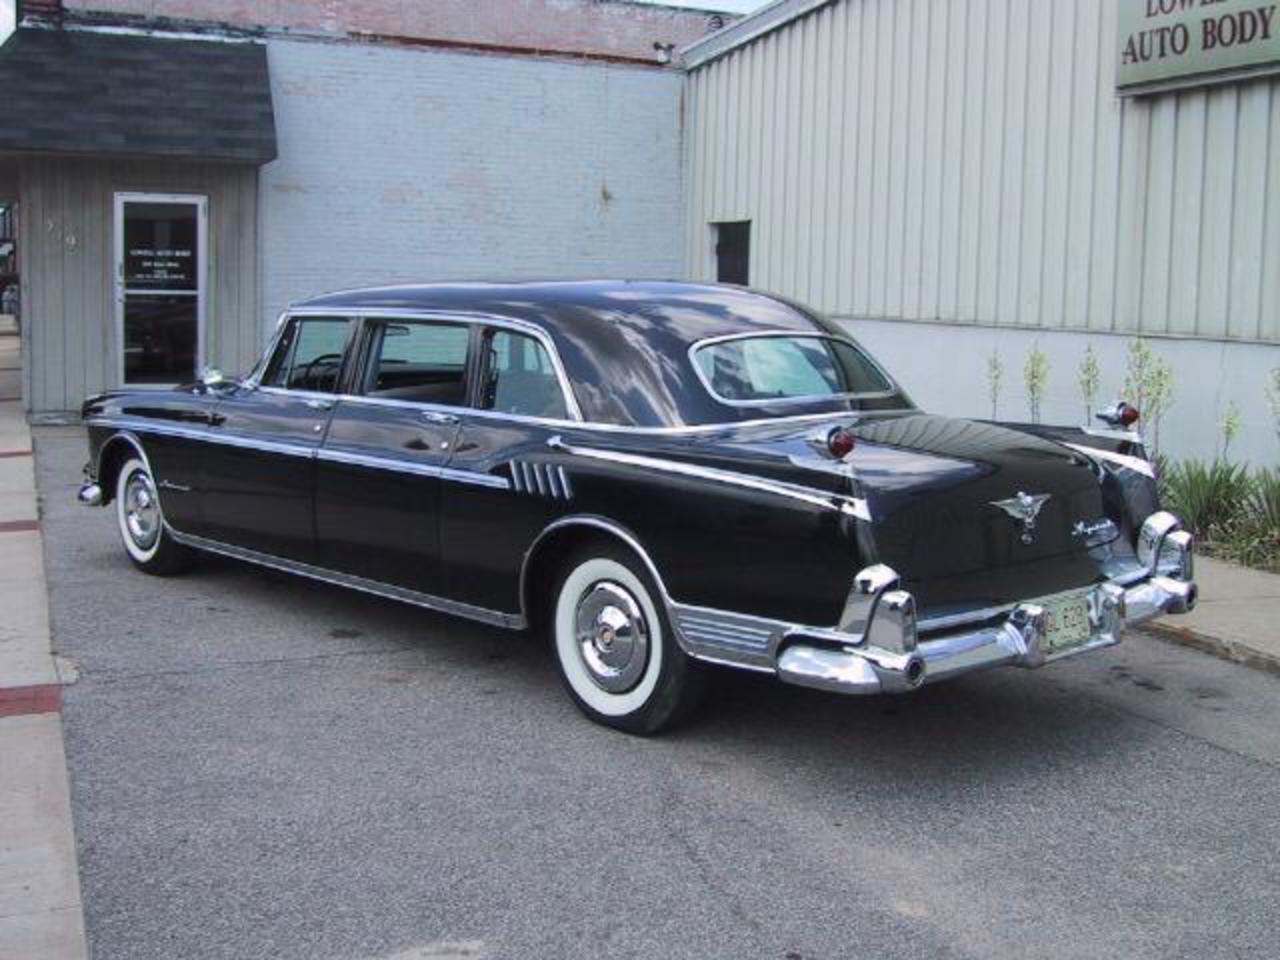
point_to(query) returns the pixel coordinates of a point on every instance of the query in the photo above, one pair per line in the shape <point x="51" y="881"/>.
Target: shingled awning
<point x="76" y="91"/>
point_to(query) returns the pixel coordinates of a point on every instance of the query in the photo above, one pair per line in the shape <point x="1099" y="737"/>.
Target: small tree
<point x="1036" y="376"/>
<point x="1089" y="378"/>
<point x="1148" y="385"/>
<point x="1230" y="427"/>
<point x="995" y="374"/>
<point x="1272" y="391"/>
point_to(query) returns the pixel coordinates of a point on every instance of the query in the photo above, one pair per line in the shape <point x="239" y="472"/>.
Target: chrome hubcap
<point x="613" y="640"/>
<point x="141" y="511"/>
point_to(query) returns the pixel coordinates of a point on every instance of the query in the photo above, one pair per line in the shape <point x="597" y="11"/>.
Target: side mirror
<point x="212" y="377"/>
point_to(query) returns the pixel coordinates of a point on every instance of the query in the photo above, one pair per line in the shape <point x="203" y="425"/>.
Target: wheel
<point x="146" y="539"/>
<point x="615" y="647"/>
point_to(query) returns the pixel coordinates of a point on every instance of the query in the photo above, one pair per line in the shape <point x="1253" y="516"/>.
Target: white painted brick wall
<point x="416" y="165"/>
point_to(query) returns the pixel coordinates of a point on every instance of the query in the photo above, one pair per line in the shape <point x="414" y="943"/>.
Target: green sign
<point x="1180" y="41"/>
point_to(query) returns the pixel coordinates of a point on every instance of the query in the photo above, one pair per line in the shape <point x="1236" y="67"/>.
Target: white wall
<point x="415" y="165"/>
<point x="944" y="368"/>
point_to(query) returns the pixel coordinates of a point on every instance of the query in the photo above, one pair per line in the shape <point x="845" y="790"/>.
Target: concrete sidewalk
<point x="40" y="909"/>
<point x="1237" y="618"/>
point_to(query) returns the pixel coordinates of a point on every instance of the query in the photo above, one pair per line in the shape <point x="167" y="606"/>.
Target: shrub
<point x="1206" y="495"/>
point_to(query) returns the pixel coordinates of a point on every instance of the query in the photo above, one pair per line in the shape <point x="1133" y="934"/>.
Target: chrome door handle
<point x="433" y="416"/>
<point x="315" y="404"/>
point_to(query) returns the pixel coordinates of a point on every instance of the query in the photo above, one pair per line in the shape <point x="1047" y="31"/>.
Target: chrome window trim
<point x="438" y="316"/>
<point x="789" y="401"/>
<point x="1136" y="464"/>
<point x="511" y="621"/>
<point x="577" y="419"/>
<point x="850" y="506"/>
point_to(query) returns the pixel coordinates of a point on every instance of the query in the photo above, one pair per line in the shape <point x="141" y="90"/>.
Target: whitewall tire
<point x="146" y="539"/>
<point x="614" y="645"/>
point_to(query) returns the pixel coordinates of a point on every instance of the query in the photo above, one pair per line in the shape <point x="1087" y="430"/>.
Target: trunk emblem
<point x="1025" y="508"/>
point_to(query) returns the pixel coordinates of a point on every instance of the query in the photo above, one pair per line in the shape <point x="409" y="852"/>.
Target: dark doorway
<point x="733" y="252"/>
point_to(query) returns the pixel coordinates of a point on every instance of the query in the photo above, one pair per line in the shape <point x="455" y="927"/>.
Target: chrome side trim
<point x="511" y="621"/>
<point x="142" y="425"/>
<point x="297" y="450"/>
<point x="392" y="465"/>
<point x="1136" y="464"/>
<point x="850" y="506"/>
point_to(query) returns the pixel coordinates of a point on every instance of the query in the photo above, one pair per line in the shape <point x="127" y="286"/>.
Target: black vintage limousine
<point x="661" y="475"/>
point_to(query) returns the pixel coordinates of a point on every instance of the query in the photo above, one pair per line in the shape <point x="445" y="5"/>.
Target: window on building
<point x="309" y="355"/>
<point x="521" y="379"/>
<point x="733" y="252"/>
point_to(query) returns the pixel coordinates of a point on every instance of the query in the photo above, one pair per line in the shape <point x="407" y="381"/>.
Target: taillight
<point x="840" y="443"/>
<point x="1128" y="415"/>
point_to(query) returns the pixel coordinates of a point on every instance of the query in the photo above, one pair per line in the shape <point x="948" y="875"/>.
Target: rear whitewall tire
<point x="647" y="695"/>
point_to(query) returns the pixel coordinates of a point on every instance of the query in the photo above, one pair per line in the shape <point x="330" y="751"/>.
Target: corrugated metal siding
<point x="968" y="161"/>
<point x="67" y="242"/>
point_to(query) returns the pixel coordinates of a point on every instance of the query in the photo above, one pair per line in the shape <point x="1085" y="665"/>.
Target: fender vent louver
<point x="541" y="479"/>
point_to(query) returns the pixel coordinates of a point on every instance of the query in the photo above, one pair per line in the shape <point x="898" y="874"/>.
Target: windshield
<point x="769" y="369"/>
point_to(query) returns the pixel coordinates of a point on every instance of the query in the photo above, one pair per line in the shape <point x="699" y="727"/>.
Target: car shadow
<point x="1002" y="725"/>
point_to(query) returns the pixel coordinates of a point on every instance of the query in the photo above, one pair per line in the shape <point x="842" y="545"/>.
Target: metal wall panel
<point x="67" y="246"/>
<point x="967" y="161"/>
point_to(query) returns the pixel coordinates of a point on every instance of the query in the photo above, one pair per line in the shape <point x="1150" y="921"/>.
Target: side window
<point x="521" y="379"/>
<point x="421" y="362"/>
<point x="309" y="355"/>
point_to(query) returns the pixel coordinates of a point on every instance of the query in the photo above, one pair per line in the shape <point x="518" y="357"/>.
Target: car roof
<point x="624" y="343"/>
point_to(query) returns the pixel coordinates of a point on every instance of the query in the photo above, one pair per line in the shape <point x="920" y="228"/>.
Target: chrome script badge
<point x="1025" y="508"/>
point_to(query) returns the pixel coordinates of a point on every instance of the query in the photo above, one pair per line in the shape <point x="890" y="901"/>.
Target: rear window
<point x="769" y="369"/>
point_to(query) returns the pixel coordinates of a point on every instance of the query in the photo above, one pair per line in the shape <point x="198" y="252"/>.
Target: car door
<point x="505" y="484"/>
<point x="259" y="474"/>
<point x="378" y="475"/>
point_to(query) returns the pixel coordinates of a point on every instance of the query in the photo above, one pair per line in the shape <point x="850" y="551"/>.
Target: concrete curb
<point x="1223" y="649"/>
<point x="41" y="914"/>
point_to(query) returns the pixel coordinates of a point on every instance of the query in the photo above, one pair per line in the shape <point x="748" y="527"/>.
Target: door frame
<point x="201" y="202"/>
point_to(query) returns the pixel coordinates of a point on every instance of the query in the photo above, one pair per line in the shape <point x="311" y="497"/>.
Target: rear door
<point x="259" y="471"/>
<point x="379" y="474"/>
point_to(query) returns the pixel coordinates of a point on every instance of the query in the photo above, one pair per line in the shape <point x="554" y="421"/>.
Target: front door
<point x="259" y="468"/>
<point x="160" y="287"/>
<point x="379" y="474"/>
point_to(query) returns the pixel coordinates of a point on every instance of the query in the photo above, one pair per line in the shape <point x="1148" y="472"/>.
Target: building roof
<point x="767" y="19"/>
<point x="84" y="92"/>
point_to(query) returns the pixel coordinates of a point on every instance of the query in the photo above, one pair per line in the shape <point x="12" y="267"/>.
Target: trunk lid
<point x="935" y="486"/>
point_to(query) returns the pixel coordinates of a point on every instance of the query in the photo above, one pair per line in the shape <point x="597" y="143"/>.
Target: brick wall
<point x="410" y="165"/>
<point x="610" y="27"/>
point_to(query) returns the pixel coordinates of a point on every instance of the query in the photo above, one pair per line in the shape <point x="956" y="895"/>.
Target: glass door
<point x="160" y="286"/>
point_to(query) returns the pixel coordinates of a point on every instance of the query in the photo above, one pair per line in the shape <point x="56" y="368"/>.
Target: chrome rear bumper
<point x="878" y="646"/>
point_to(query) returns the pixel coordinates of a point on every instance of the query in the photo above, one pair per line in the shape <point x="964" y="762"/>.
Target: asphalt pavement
<point x="267" y="767"/>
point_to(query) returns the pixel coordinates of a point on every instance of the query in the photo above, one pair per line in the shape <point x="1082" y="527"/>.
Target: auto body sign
<point x="1180" y="41"/>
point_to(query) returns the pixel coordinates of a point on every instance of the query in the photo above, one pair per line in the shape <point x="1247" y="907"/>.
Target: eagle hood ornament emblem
<point x="1025" y="508"/>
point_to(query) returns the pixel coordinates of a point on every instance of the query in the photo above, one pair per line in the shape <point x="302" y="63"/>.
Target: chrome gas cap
<point x="613" y="639"/>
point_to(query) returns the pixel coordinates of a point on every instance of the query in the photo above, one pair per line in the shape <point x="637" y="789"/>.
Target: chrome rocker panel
<point x="876" y="647"/>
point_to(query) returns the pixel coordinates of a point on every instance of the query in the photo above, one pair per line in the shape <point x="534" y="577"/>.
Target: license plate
<point x="1068" y="622"/>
